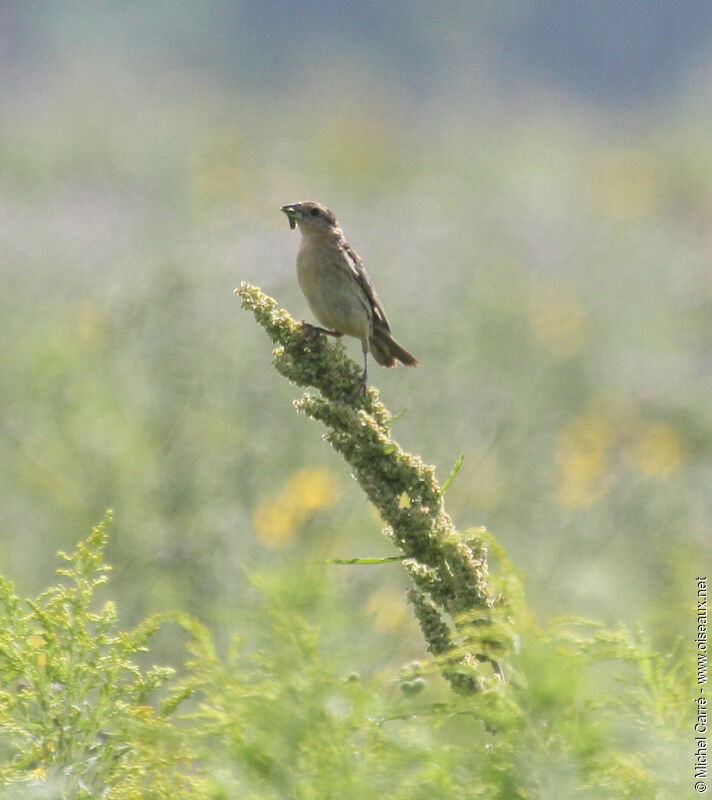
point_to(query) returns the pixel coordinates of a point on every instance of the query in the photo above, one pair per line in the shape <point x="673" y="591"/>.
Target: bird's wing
<point x="359" y="272"/>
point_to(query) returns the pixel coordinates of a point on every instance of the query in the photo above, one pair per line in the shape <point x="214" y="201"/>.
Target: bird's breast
<point x="331" y="290"/>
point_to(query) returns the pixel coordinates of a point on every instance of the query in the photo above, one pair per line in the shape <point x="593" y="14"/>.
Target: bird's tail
<point x="386" y="350"/>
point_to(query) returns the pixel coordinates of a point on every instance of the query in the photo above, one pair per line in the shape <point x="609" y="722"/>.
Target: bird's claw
<point x="314" y="330"/>
<point x="361" y="389"/>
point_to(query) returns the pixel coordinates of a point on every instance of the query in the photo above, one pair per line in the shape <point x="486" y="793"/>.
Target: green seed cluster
<point x="450" y="595"/>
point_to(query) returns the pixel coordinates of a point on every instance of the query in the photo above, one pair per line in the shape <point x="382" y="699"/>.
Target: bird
<point x="338" y="290"/>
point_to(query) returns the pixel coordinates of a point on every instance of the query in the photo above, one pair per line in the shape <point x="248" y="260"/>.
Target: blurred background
<point x="530" y="187"/>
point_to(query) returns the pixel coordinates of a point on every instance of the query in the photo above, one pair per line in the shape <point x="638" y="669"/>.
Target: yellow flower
<point x="586" y="444"/>
<point x="274" y="525"/>
<point x="38" y="642"/>
<point x="277" y="518"/>
<point x="311" y="489"/>
<point x="143" y="713"/>
<point x="582" y="446"/>
<point x="657" y="449"/>
<point x="582" y="459"/>
<point x="39" y="775"/>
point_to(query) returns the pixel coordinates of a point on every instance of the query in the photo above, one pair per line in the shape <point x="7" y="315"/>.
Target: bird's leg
<point x="364" y="378"/>
<point x="363" y="383"/>
<point x="310" y="330"/>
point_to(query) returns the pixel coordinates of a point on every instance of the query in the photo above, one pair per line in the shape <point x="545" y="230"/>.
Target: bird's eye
<point x="314" y="212"/>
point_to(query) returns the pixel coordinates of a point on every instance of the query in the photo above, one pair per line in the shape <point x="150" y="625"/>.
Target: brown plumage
<point x="337" y="287"/>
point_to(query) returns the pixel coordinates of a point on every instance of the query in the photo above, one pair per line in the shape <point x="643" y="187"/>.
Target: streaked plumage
<point x="337" y="287"/>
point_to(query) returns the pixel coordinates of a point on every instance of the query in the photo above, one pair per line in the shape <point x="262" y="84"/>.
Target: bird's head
<point x="311" y="217"/>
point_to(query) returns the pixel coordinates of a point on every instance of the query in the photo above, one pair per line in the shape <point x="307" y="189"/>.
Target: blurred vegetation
<point x="547" y="259"/>
<point x="586" y="713"/>
<point x="559" y="302"/>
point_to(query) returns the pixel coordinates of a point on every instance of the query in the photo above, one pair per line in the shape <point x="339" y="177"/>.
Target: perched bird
<point x="337" y="287"/>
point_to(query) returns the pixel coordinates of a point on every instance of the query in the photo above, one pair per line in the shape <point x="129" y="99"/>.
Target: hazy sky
<point x="618" y="52"/>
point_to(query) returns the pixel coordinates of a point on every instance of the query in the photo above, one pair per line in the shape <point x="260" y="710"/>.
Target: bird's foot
<point x="314" y="330"/>
<point x="360" y="389"/>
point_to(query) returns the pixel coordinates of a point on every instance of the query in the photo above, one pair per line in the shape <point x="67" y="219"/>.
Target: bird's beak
<point x="294" y="213"/>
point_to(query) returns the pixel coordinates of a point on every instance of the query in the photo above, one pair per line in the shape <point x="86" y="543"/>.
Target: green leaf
<point x="398" y="415"/>
<point x="385" y="560"/>
<point x="453" y="473"/>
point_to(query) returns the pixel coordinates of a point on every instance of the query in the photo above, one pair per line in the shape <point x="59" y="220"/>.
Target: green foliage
<point x="585" y="713"/>
<point x="77" y="712"/>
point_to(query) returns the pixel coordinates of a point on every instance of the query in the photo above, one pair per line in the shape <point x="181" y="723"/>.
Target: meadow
<point x="551" y="272"/>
